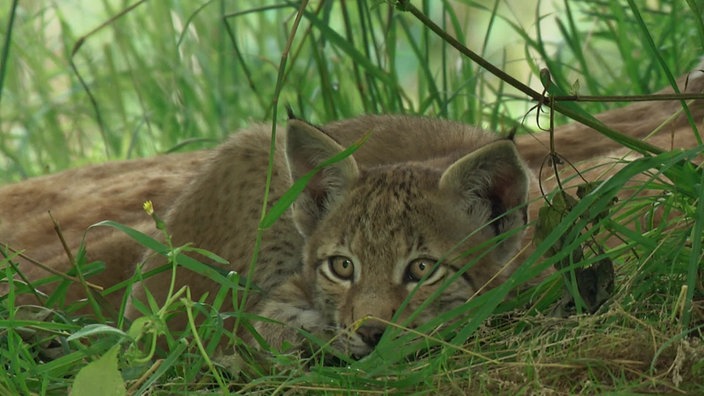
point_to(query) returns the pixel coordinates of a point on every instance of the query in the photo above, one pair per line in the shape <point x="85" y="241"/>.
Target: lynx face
<point x="375" y="235"/>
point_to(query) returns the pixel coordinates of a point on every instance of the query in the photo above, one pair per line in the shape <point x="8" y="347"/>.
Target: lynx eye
<point x="422" y="267"/>
<point x="341" y="266"/>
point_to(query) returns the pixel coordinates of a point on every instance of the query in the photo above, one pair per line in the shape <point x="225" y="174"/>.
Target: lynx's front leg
<point x="290" y="308"/>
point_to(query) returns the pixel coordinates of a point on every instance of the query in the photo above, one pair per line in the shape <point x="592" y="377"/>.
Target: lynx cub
<point x="365" y="231"/>
<point x="420" y="203"/>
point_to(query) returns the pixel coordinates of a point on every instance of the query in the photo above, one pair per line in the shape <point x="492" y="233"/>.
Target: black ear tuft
<point x="511" y="135"/>
<point x="289" y="112"/>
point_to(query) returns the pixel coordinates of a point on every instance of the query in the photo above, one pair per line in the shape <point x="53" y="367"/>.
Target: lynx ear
<point x="306" y="147"/>
<point x="492" y="183"/>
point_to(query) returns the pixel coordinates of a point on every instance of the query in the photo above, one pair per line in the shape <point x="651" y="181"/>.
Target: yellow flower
<point x="149" y="208"/>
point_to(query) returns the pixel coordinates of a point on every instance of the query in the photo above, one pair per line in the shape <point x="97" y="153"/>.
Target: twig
<point x="57" y="229"/>
<point x="48" y="269"/>
<point x="584" y="118"/>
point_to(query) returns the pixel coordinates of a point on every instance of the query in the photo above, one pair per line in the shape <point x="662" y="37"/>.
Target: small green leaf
<point x="138" y="327"/>
<point x="100" y="377"/>
<point x="574" y="89"/>
<point x="587" y="188"/>
<point x="550" y="217"/>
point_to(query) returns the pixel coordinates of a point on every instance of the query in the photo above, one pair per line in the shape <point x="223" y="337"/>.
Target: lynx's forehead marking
<point x="393" y="193"/>
<point x="385" y="207"/>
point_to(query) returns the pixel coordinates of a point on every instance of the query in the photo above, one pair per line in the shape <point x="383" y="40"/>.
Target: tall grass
<point x="169" y="75"/>
<point x="165" y="74"/>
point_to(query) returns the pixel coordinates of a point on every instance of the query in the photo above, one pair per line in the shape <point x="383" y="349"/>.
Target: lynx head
<point x="375" y="234"/>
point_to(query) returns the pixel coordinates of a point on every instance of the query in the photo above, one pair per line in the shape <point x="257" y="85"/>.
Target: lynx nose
<point x="371" y="333"/>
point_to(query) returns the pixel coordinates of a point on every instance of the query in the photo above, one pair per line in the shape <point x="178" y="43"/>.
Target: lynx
<point x="421" y="201"/>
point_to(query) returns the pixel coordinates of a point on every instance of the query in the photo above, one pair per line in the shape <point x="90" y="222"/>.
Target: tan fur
<point x="408" y="197"/>
<point x="79" y="198"/>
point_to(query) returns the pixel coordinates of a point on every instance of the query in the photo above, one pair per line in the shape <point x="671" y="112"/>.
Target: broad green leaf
<point x="100" y="377"/>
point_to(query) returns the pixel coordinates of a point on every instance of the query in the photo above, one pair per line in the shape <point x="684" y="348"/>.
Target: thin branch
<point x="569" y="111"/>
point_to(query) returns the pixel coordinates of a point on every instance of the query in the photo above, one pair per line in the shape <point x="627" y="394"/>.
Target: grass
<point x="168" y="76"/>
